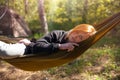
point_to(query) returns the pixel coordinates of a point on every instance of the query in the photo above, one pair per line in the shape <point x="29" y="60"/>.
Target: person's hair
<point x="83" y="28"/>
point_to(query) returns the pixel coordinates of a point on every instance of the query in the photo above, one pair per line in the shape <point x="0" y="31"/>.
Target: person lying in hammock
<point x="48" y="44"/>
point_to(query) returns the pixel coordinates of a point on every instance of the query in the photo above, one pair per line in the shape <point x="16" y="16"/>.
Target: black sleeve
<point x="48" y="43"/>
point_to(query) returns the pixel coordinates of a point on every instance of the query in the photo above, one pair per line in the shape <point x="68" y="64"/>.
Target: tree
<point x="42" y="16"/>
<point x="85" y="11"/>
<point x="26" y="6"/>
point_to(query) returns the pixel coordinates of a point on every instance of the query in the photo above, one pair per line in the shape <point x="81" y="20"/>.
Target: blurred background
<point x="34" y="18"/>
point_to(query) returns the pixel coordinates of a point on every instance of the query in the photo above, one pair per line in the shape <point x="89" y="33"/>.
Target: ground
<point x="100" y="68"/>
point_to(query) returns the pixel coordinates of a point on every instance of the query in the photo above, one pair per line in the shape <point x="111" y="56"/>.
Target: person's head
<point x="80" y="33"/>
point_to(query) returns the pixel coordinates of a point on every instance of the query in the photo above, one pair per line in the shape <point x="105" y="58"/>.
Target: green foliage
<point x="65" y="14"/>
<point x="2" y="2"/>
<point x="107" y="41"/>
<point x="35" y="23"/>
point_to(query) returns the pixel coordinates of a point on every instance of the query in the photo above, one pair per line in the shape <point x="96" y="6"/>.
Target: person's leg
<point x="8" y="51"/>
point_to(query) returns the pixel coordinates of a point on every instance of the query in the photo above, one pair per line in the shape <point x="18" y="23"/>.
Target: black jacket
<point x="47" y="44"/>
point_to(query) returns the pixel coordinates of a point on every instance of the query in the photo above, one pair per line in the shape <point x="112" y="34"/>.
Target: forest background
<point x="100" y="62"/>
<point x="62" y="14"/>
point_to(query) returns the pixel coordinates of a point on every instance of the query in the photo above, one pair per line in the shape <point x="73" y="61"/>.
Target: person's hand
<point x="68" y="46"/>
<point x="25" y="41"/>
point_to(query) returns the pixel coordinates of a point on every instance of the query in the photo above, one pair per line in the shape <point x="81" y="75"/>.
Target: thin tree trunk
<point x="26" y="6"/>
<point x="42" y="16"/>
<point x="85" y="8"/>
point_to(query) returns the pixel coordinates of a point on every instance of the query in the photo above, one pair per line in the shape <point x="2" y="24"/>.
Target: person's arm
<point x="68" y="46"/>
<point x="46" y="44"/>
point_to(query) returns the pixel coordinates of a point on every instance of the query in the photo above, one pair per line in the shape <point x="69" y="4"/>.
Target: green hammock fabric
<point x="36" y="62"/>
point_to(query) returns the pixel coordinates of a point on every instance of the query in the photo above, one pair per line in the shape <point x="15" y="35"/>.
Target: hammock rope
<point x="36" y="62"/>
<point x="103" y="23"/>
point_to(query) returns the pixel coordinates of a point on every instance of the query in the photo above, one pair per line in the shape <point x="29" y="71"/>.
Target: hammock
<point x="36" y="62"/>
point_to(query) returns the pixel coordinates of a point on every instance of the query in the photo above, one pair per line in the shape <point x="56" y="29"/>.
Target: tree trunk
<point x="42" y="16"/>
<point x="85" y="8"/>
<point x="26" y="6"/>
